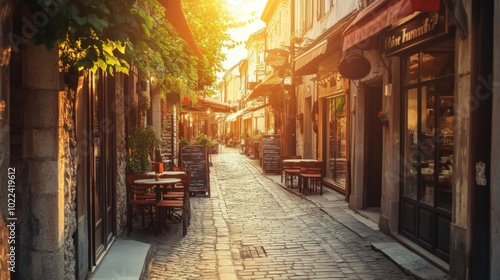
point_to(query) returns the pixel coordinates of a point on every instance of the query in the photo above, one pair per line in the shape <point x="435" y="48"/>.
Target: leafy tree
<point x="114" y="34"/>
<point x="90" y="33"/>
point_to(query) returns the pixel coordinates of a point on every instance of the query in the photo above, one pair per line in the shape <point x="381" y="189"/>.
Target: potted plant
<point x="141" y="141"/>
<point x="382" y="116"/>
<point x="203" y="139"/>
<point x="184" y="141"/>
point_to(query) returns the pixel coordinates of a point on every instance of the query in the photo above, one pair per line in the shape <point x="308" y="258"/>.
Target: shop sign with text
<point x="417" y="30"/>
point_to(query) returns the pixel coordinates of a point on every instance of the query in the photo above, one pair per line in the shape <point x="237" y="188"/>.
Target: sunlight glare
<point x="243" y="10"/>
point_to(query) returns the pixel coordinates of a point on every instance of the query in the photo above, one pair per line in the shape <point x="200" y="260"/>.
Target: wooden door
<point x="109" y="132"/>
<point x="102" y="169"/>
<point x="373" y="147"/>
<point x="97" y="175"/>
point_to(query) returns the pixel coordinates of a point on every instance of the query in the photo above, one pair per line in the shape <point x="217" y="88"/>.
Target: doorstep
<point x="409" y="261"/>
<point x="126" y="259"/>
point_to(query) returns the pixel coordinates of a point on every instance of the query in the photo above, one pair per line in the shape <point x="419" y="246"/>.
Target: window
<point x="323" y="7"/>
<point x="308" y="15"/>
<point x="337" y="140"/>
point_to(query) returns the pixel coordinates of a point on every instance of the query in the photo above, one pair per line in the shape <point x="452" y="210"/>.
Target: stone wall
<point x="68" y="162"/>
<point x="44" y="165"/>
<point x="121" y="198"/>
<point x="459" y="245"/>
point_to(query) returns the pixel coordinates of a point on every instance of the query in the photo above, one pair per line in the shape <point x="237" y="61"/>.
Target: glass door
<point x="337" y="140"/>
<point x="427" y="148"/>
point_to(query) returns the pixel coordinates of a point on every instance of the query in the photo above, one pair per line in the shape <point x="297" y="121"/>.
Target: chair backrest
<point x="294" y="165"/>
<point x="291" y="157"/>
<point x="185" y="179"/>
<point x="130" y="185"/>
<point x="178" y="168"/>
<point x="311" y="167"/>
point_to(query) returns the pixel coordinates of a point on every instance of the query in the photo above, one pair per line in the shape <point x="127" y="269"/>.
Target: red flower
<point x="382" y="115"/>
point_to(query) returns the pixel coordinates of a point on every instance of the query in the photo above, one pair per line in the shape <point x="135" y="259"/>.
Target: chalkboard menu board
<point x="195" y="158"/>
<point x="271" y="153"/>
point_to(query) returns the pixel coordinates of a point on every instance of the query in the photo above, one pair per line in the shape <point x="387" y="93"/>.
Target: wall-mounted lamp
<point x="208" y="110"/>
<point x="332" y="80"/>
<point x="387" y="89"/>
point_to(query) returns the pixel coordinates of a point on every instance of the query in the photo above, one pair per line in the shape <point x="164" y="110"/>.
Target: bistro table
<point x="160" y="181"/>
<point x="167" y="173"/>
<point x="294" y="165"/>
<point x="299" y="160"/>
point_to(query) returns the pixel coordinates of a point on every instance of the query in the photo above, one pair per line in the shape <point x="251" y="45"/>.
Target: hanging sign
<point x="277" y="58"/>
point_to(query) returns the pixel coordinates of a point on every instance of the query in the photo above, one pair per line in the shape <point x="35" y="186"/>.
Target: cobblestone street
<point x="253" y="228"/>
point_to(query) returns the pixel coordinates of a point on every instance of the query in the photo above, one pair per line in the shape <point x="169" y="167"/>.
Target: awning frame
<point x="309" y="57"/>
<point x="270" y="82"/>
<point x="373" y="19"/>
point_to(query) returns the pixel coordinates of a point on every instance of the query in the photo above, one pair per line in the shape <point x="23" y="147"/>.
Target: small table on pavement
<point x="160" y="181"/>
<point x="168" y="173"/>
<point x="300" y="160"/>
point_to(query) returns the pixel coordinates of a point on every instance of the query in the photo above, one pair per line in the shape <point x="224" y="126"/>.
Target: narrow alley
<point x="253" y="228"/>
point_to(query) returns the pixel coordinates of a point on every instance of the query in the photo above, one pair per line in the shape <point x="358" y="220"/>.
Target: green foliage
<point x="141" y="141"/>
<point x="91" y="34"/>
<point x="203" y="139"/>
<point x="184" y="141"/>
<point x="112" y="35"/>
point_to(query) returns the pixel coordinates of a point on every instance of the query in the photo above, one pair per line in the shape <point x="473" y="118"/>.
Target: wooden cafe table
<point x="167" y="173"/>
<point x="159" y="182"/>
<point x="299" y="160"/>
<point x="294" y="163"/>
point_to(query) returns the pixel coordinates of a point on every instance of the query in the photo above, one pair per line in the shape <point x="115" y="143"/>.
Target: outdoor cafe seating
<point x="290" y="168"/>
<point x="310" y="177"/>
<point x="160" y="196"/>
<point x="139" y="200"/>
<point x="177" y="199"/>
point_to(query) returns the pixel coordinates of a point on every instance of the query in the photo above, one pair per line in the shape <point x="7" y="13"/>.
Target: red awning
<point x="253" y="109"/>
<point x="305" y="63"/>
<point x="215" y="105"/>
<point x="381" y="14"/>
<point x="175" y="15"/>
<point x="203" y="104"/>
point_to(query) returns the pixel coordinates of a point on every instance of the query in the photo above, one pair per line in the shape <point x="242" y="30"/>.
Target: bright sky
<point x="243" y="10"/>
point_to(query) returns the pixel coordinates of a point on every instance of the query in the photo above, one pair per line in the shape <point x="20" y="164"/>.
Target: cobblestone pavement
<point x="252" y="228"/>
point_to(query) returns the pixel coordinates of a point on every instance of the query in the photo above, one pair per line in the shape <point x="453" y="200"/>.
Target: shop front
<point x="426" y="53"/>
<point x="336" y="139"/>
<point x="326" y="106"/>
<point x="436" y="97"/>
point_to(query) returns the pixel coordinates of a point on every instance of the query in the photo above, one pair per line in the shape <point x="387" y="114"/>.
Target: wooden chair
<point x="289" y="170"/>
<point x="179" y="168"/>
<point x="177" y="191"/>
<point x="168" y="206"/>
<point x="138" y="199"/>
<point x="310" y="176"/>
